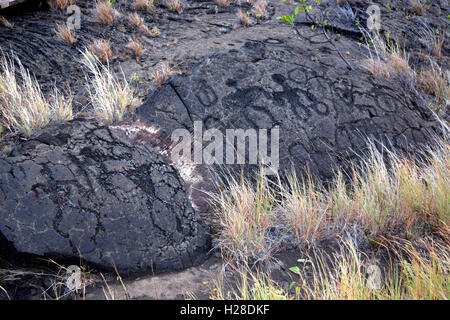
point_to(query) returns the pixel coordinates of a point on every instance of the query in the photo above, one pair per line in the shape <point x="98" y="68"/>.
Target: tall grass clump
<point x="250" y="286"/>
<point x="434" y="82"/>
<point x="111" y="98"/>
<point x="175" y="5"/>
<point x="384" y="194"/>
<point x="422" y="277"/>
<point x="388" y="60"/>
<point x="65" y="34"/>
<point x="303" y="208"/>
<point x="146" y="5"/>
<point x="341" y="275"/>
<point x="4" y="22"/>
<point x="101" y="49"/>
<point x="245" y="213"/>
<point x="105" y="13"/>
<point x="162" y="73"/>
<point x="59" y="4"/>
<point x="348" y="274"/>
<point x="23" y="106"/>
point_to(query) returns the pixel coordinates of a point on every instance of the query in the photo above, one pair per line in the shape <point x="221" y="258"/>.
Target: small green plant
<point x="296" y="269"/>
<point x="134" y="77"/>
<point x="303" y="7"/>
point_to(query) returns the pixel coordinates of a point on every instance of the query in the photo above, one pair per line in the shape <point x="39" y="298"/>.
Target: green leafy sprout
<point x="303" y="7"/>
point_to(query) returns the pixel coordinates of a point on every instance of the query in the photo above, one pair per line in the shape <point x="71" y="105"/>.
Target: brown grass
<point x="145" y="5"/>
<point x="404" y="197"/>
<point x="23" y="106"/>
<point x="4" y="22"/>
<point x="111" y="97"/>
<point x="136" y="47"/>
<point x="350" y="276"/>
<point x="105" y="14"/>
<point x="377" y="68"/>
<point x="389" y="60"/>
<point x="59" y="4"/>
<point x="260" y="8"/>
<point x="438" y="44"/>
<point x="398" y="62"/>
<point x="154" y="32"/>
<point x="175" y="5"/>
<point x="223" y="3"/>
<point x="245" y="213"/>
<point x="162" y="73"/>
<point x="434" y="82"/>
<point x="65" y="34"/>
<point x="135" y="20"/>
<point x="101" y="49"/>
<point x="419" y="7"/>
<point x="416" y="272"/>
<point x="243" y="18"/>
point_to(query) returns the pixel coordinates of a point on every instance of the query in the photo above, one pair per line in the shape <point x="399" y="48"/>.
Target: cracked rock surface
<point x="81" y="189"/>
<point x="325" y="113"/>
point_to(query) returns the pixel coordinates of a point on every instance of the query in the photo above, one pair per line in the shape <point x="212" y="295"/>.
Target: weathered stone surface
<point x="325" y="113"/>
<point x="81" y="189"/>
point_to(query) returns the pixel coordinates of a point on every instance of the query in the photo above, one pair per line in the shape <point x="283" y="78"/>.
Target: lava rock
<point x="82" y="190"/>
<point x="325" y="112"/>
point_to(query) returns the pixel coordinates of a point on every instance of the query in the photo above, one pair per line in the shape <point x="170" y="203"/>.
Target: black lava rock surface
<point x="81" y="189"/>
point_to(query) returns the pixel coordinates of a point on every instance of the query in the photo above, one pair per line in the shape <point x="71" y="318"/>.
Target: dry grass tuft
<point x="59" y="4"/>
<point x="110" y="97"/>
<point x="435" y="83"/>
<point x="105" y="14"/>
<point x="398" y="62"/>
<point x="243" y="17"/>
<point x="146" y="5"/>
<point x="154" y="32"/>
<point x="388" y="61"/>
<point x="4" y="22"/>
<point x="377" y="67"/>
<point x="433" y="39"/>
<point x="245" y="214"/>
<point x="23" y="107"/>
<point x="438" y="44"/>
<point x="350" y="276"/>
<point x="65" y="34"/>
<point x="223" y="3"/>
<point x="136" y="47"/>
<point x="251" y="286"/>
<point x="135" y="20"/>
<point x="260" y="8"/>
<point x="405" y="197"/>
<point x="347" y="274"/>
<point x="175" y="5"/>
<point x="101" y="49"/>
<point x="419" y="7"/>
<point x="162" y="73"/>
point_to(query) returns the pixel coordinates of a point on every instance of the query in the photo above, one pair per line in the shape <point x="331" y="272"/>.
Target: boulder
<point x="83" y="190"/>
<point x="325" y="112"/>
